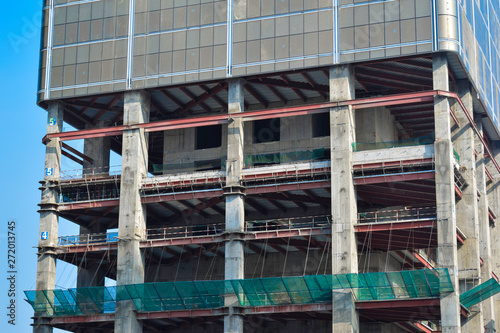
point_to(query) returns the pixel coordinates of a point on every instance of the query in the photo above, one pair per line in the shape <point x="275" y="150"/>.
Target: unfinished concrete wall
<point x="375" y="125"/>
<point x="295" y="136"/>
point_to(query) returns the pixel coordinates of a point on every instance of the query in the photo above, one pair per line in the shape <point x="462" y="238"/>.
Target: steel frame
<point x="196" y="313"/>
<point x="181" y="241"/>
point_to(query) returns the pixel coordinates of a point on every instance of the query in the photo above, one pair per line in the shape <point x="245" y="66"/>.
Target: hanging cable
<point x="286" y="256"/>
<point x="264" y="259"/>
<point x="328" y="258"/>
<point x="325" y="248"/>
<point x="198" y="264"/>
<point x="388" y="248"/>
<point x="307" y="255"/>
<point x="159" y="264"/>
<point x="179" y="263"/>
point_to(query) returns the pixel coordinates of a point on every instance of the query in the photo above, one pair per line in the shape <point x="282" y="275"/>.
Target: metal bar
<point x="88" y="204"/>
<point x="394" y="226"/>
<point x="71" y="157"/>
<point x="407" y="98"/>
<point x="422" y="260"/>
<point x="77" y="153"/>
<point x="471" y="121"/>
<point x="394" y="178"/>
<point x="397" y="303"/>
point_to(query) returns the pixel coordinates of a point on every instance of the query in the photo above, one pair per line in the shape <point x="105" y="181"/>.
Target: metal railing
<point x="98" y="192"/>
<point x="397" y="215"/>
<point x="203" y="230"/>
<point x="88" y="239"/>
<point x="91" y="172"/>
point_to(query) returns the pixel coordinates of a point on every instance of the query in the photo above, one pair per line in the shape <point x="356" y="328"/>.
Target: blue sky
<point x="22" y="153"/>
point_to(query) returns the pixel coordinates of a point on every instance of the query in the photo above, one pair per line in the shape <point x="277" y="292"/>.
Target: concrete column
<point x="344" y="211"/>
<point x="132" y="214"/>
<point x="493" y="190"/>
<point x="469" y="265"/>
<point x="445" y="197"/>
<point x="484" y="229"/>
<point x="235" y="212"/>
<point x="98" y="149"/>
<point x="49" y="218"/>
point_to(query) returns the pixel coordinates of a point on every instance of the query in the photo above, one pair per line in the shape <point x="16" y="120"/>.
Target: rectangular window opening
<point x="266" y="130"/>
<point x="208" y="137"/>
<point x="321" y="124"/>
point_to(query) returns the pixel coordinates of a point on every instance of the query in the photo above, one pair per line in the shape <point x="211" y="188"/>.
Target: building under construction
<point x="286" y="166"/>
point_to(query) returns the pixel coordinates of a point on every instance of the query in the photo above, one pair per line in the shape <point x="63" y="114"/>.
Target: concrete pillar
<point x="235" y="212"/>
<point x="98" y="149"/>
<point x="493" y="190"/>
<point x="49" y="218"/>
<point x="469" y="265"/>
<point x="484" y="229"/>
<point x="445" y="197"/>
<point x="344" y="211"/>
<point x="132" y="214"/>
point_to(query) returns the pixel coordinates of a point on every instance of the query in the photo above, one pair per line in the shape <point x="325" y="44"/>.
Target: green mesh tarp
<point x="162" y="296"/>
<point x="423" y="140"/>
<point x="480" y="293"/>
<point x="277" y="158"/>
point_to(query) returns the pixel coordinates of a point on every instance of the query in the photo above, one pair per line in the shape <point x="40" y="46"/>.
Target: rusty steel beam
<point x="76" y="152"/>
<point x="88" y="204"/>
<point x="394" y="178"/>
<point x="398" y="303"/>
<point x="71" y="157"/>
<point x="372" y="227"/>
<point x="398" y="99"/>
<point x="196" y="240"/>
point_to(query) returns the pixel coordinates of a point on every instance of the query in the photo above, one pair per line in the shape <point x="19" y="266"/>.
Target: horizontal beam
<point x="88" y="204"/>
<point x="403" y="303"/>
<point x="388" y="178"/>
<point x="180" y="241"/>
<point x="394" y="226"/>
<point x="292" y="111"/>
<point x="157" y="315"/>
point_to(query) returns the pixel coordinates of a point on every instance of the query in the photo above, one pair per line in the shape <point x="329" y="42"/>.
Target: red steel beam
<point x="393" y="163"/>
<point x="424" y="328"/>
<point x="181" y="314"/>
<point x="88" y="204"/>
<point x="394" y="178"/>
<point x="394" y="226"/>
<point x="403" y="303"/>
<point x="422" y="260"/>
<point x="287" y="187"/>
<point x="71" y="157"/>
<point x="471" y="122"/>
<point x="397" y="99"/>
<point x="77" y="153"/>
<point x="301" y="308"/>
<point x="100" y="318"/>
<point x="182" y="196"/>
<point x="87" y="248"/>
<point x="295" y="308"/>
<point x="488" y="174"/>
<point x="180" y="241"/>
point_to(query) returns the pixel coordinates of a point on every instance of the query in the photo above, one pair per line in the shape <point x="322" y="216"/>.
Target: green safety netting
<point x="480" y="293"/>
<point x="285" y="157"/>
<point x="161" y="296"/>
